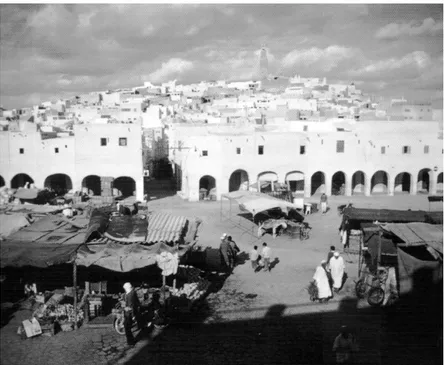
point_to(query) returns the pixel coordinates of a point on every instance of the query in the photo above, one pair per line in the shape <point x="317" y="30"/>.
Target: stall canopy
<point x="15" y="254"/>
<point x="385" y="215"/>
<point x="415" y="234"/>
<point x="255" y="203"/>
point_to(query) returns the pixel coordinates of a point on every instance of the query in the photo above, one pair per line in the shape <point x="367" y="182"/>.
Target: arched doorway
<point x="91" y="185"/>
<point x="295" y="182"/>
<point x="239" y="180"/>
<point x="207" y="187"/>
<point x="338" y="183"/>
<point x="440" y="183"/>
<point x="423" y="181"/>
<point x="402" y="183"/>
<point x="125" y="186"/>
<point x="2" y="181"/>
<point x="59" y="183"/>
<point x="19" y="181"/>
<point x="379" y="182"/>
<point x="266" y="181"/>
<point x="358" y="182"/>
<point x="318" y="183"/>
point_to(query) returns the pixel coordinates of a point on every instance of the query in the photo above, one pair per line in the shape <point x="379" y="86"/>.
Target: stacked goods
<point x="5" y="195"/>
<point x="196" y="286"/>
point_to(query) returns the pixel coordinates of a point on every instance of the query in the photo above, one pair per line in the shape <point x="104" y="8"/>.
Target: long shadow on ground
<point x="406" y="334"/>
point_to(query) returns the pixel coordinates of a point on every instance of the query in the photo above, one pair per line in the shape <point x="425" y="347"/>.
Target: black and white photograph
<point x="221" y="183"/>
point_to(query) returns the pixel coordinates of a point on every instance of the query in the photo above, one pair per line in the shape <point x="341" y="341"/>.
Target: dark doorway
<point x="19" y="181"/>
<point x="237" y="180"/>
<point x="125" y="185"/>
<point x="92" y="184"/>
<point x="59" y="183"/>
<point x="317" y="183"/>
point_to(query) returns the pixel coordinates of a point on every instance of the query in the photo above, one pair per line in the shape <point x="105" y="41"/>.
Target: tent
<point x="255" y="203"/>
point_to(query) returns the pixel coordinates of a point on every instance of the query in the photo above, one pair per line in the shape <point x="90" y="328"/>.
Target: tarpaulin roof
<point x="257" y="202"/>
<point x="114" y="256"/>
<point x="11" y="223"/>
<point x="414" y="234"/>
<point x="385" y="215"/>
<point x="23" y="193"/>
<point x="18" y="254"/>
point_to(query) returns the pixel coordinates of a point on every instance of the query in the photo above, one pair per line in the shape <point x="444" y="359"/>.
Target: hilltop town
<point x="222" y="136"/>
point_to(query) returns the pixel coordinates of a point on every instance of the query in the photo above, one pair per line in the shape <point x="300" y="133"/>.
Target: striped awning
<point x="165" y="227"/>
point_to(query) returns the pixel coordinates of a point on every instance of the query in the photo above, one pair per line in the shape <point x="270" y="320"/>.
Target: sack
<point x="32" y="328"/>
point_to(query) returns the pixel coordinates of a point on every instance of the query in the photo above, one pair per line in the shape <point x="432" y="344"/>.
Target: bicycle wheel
<point x="360" y="289"/>
<point x="376" y="297"/>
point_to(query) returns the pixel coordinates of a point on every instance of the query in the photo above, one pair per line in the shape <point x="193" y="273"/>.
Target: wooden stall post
<point x="379" y="250"/>
<point x="75" y="292"/>
<point x="163" y="286"/>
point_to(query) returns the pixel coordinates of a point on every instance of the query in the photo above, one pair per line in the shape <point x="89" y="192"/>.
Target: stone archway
<point x="423" y="180"/>
<point x="295" y="181"/>
<point x="59" y="183"/>
<point x="358" y="182"/>
<point x="2" y="181"/>
<point x="338" y="183"/>
<point x="266" y="181"/>
<point x="91" y="184"/>
<point x="207" y="187"/>
<point x="318" y="183"/>
<point x="440" y="183"/>
<point x="19" y="181"/>
<point x="239" y="180"/>
<point x="125" y="186"/>
<point x="402" y="183"/>
<point x="379" y="182"/>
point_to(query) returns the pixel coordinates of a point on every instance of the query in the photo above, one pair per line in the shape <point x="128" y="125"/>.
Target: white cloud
<point x="173" y="67"/>
<point x="396" y="30"/>
<point x="148" y="30"/>
<point x="418" y="59"/>
<point x="324" y="59"/>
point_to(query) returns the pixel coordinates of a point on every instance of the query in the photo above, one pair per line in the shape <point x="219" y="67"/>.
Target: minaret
<point x="262" y="69"/>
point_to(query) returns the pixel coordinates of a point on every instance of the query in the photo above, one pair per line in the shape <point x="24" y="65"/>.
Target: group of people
<point x="260" y="260"/>
<point x="329" y="275"/>
<point x="229" y="250"/>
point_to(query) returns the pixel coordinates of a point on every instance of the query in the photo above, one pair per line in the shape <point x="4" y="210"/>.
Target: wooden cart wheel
<point x="376" y="296"/>
<point x="360" y="289"/>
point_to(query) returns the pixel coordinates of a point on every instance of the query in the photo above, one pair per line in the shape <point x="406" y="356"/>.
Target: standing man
<point x="344" y="230"/>
<point x="331" y="254"/>
<point x="322" y="281"/>
<point x="337" y="268"/>
<point x="234" y="248"/>
<point x="344" y="345"/>
<point x="253" y="256"/>
<point x="226" y="252"/>
<point x="131" y="309"/>
<point x="324" y="203"/>
<point x="265" y="256"/>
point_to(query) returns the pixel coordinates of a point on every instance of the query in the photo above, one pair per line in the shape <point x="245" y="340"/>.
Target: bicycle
<point x="374" y="292"/>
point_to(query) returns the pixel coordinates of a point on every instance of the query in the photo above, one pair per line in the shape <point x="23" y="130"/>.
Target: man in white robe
<point x="322" y="282"/>
<point x="337" y="269"/>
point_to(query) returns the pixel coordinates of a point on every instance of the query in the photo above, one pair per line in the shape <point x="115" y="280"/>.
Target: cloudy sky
<point x="54" y="50"/>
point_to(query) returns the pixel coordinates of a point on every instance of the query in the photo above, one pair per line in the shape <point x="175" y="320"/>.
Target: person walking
<point x="344" y="230"/>
<point x="234" y="248"/>
<point x="131" y="309"/>
<point x="322" y="282"/>
<point x="330" y="254"/>
<point x="226" y="252"/>
<point x="254" y="256"/>
<point x="337" y="269"/>
<point x="323" y="203"/>
<point x="265" y="256"/>
<point x="344" y="345"/>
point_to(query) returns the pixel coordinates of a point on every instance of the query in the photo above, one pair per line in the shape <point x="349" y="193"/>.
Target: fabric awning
<point x="19" y="254"/>
<point x="268" y="176"/>
<point x="294" y="176"/>
<point x="385" y="215"/>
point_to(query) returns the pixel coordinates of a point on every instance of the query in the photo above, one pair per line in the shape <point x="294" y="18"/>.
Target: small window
<point x="302" y="150"/>
<point x="321" y="141"/>
<point x="205" y="152"/>
<point x="305" y="128"/>
<point x="103" y="141"/>
<point x="407" y="110"/>
<point x="66" y="146"/>
<point x="426" y="149"/>
<point x="22" y="151"/>
<point x="122" y="141"/>
<point x="406" y="150"/>
<point x="340" y="146"/>
<point x="56" y="150"/>
<point x="261" y="150"/>
<point x="238" y="151"/>
<point x="383" y="150"/>
<point x="358" y="141"/>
